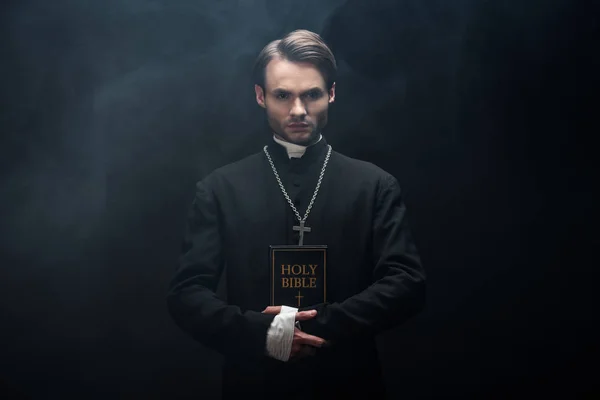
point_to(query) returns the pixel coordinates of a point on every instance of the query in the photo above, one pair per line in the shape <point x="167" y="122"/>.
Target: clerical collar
<point x="295" y="150"/>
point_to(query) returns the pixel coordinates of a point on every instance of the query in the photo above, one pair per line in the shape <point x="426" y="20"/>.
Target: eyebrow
<point x="313" y="89"/>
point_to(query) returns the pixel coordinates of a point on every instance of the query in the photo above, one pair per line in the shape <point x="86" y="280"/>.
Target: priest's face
<point x="296" y="100"/>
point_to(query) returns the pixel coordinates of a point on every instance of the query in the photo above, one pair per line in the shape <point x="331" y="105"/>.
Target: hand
<point x="300" y="315"/>
<point x="303" y="344"/>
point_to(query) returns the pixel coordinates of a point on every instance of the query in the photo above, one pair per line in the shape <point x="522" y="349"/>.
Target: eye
<point x="315" y="94"/>
<point x="281" y="96"/>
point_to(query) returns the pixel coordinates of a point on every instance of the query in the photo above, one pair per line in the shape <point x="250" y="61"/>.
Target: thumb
<point x="272" y="310"/>
<point x="305" y="315"/>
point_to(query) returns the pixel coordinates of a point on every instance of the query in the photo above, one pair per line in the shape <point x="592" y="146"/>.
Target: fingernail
<point x="313" y="312"/>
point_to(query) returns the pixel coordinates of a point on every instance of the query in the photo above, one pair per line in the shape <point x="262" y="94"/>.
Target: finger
<point x="272" y="310"/>
<point x="302" y="351"/>
<point x="296" y="349"/>
<point x="305" y="315"/>
<point x="305" y="338"/>
<point x="306" y="351"/>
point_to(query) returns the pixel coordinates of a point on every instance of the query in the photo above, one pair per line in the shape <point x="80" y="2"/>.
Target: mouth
<point x="298" y="126"/>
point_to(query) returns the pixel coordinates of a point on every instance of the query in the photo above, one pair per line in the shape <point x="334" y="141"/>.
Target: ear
<point x="332" y="93"/>
<point x="260" y="95"/>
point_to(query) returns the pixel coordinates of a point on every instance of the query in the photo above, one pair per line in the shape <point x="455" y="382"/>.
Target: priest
<point x="297" y="191"/>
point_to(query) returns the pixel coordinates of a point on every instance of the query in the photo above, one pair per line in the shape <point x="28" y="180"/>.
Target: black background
<point x="111" y="111"/>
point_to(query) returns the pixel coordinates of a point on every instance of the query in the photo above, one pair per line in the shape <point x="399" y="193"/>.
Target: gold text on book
<point x="298" y="275"/>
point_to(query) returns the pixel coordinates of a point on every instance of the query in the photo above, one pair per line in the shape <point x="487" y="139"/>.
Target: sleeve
<point x="281" y="334"/>
<point x="192" y="301"/>
<point x="398" y="289"/>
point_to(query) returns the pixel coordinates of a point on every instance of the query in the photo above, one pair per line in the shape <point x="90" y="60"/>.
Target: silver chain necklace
<point x="301" y="229"/>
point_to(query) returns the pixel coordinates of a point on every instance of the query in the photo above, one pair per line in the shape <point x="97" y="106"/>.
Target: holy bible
<point x="298" y="275"/>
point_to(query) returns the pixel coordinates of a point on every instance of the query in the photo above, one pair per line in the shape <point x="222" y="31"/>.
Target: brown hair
<point x="298" y="46"/>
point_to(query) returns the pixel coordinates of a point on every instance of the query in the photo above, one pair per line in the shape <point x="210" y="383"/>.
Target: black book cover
<point x="298" y="275"/>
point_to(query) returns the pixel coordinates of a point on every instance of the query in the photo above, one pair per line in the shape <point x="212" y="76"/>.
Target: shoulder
<point x="364" y="170"/>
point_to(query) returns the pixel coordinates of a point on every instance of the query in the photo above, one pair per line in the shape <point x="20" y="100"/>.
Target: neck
<point x="293" y="149"/>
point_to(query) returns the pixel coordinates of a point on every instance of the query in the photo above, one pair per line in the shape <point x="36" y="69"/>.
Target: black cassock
<point x="375" y="280"/>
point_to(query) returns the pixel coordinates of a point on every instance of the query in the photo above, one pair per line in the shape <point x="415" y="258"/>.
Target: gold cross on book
<point x="299" y="297"/>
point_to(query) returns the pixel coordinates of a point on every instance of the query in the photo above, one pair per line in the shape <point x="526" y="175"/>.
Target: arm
<point x="192" y="301"/>
<point x="398" y="289"/>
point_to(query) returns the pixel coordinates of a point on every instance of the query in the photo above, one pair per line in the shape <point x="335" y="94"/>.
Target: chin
<point x="302" y="139"/>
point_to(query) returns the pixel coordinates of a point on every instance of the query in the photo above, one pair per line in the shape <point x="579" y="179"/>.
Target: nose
<point x="298" y="108"/>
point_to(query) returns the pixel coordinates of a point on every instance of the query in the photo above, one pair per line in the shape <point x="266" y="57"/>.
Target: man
<point x="374" y="276"/>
